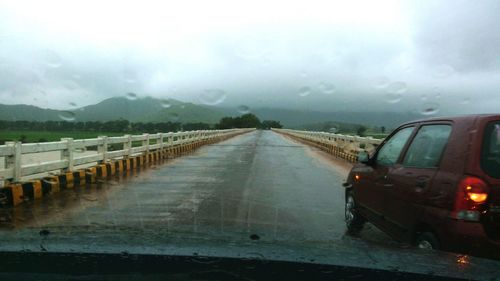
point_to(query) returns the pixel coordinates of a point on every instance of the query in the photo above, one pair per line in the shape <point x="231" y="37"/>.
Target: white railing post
<point x="145" y="142"/>
<point x="68" y="154"/>
<point x="14" y="160"/>
<point x="160" y="140"/>
<point x="170" y="139"/>
<point x="103" y="148"/>
<point x="127" y="146"/>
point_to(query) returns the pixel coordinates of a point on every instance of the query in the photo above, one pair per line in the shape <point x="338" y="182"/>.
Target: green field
<point x="42" y="136"/>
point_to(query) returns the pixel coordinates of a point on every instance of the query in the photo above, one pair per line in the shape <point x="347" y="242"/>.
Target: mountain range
<point x="156" y="110"/>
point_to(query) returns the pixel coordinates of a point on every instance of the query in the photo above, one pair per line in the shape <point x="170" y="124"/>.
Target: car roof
<point x="457" y="118"/>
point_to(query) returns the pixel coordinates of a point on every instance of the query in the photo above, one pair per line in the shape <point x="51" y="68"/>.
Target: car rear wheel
<point x="354" y="221"/>
<point x="427" y="241"/>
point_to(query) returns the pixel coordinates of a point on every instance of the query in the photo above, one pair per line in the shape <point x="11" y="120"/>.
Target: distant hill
<point x="297" y="119"/>
<point x="156" y="110"/>
<point x="138" y="110"/>
<point x="27" y="112"/>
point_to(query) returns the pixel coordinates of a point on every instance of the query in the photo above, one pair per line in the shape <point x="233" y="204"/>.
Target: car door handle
<point x="384" y="177"/>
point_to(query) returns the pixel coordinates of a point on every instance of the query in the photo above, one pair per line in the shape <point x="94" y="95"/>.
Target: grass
<point x="39" y="136"/>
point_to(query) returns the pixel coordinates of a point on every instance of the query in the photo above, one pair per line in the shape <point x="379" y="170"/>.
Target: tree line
<point x="98" y="126"/>
<point x="125" y="126"/>
<point x="247" y="121"/>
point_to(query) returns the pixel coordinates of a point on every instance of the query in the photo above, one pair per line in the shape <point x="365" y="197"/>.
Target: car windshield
<point x="228" y="128"/>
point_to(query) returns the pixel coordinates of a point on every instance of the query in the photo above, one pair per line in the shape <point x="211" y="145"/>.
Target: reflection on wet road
<point x="259" y="183"/>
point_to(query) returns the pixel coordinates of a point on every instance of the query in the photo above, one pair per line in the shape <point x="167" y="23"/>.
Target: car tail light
<point x="472" y="193"/>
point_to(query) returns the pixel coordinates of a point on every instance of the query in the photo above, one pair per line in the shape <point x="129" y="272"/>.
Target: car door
<point x="412" y="178"/>
<point x="372" y="178"/>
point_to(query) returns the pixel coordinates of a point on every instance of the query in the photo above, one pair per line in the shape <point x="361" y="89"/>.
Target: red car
<point x="434" y="183"/>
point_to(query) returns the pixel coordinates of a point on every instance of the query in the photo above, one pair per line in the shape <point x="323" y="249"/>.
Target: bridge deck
<point x="257" y="186"/>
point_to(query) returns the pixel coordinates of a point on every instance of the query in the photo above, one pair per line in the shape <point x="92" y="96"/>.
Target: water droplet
<point x="327" y="88"/>
<point x="67" y="115"/>
<point x="131" y="96"/>
<point x="304" y="74"/>
<point x="72" y="104"/>
<point x="129" y="76"/>
<point x="393" y="98"/>
<point x="112" y="182"/>
<point x="183" y="106"/>
<point x="70" y="85"/>
<point x="465" y="101"/>
<point x="397" y="88"/>
<point x="52" y="59"/>
<point x="381" y="82"/>
<point x="165" y="103"/>
<point x="442" y="71"/>
<point x="423" y="97"/>
<point x="50" y="181"/>
<point x="429" y="109"/>
<point x="174" y="117"/>
<point x="304" y="91"/>
<point x="254" y="237"/>
<point x="80" y="149"/>
<point x="212" y="96"/>
<point x="243" y="109"/>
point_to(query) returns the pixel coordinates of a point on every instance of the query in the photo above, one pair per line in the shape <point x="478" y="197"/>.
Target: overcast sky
<point x="426" y="56"/>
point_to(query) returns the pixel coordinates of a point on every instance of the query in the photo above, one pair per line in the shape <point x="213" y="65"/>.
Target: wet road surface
<point x="259" y="183"/>
<point x="257" y="187"/>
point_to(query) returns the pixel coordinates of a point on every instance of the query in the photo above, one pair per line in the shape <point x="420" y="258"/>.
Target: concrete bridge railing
<point x="24" y="161"/>
<point x="342" y="146"/>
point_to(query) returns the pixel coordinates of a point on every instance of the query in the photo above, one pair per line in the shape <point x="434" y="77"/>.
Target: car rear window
<point x="490" y="152"/>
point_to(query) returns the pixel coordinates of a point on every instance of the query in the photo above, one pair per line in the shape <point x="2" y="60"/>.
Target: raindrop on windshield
<point x="129" y="76"/>
<point x="429" y="109"/>
<point x="72" y="104"/>
<point x="165" y="103"/>
<point x="131" y="96"/>
<point x="465" y="101"/>
<point x="212" y="96"/>
<point x="393" y="98"/>
<point x="80" y="149"/>
<point x="327" y="88"/>
<point x="67" y="115"/>
<point x="70" y="85"/>
<point x="423" y="97"/>
<point x="443" y="71"/>
<point x="52" y="59"/>
<point x="381" y="82"/>
<point x="397" y="88"/>
<point x="243" y="109"/>
<point x="304" y="91"/>
<point x="174" y="117"/>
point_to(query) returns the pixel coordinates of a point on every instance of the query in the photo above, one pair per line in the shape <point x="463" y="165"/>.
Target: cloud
<point x="54" y="53"/>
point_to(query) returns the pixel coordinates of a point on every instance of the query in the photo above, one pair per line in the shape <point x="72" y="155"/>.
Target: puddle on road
<point x="73" y="200"/>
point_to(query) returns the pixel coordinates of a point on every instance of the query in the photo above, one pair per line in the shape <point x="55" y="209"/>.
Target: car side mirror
<point x="363" y="157"/>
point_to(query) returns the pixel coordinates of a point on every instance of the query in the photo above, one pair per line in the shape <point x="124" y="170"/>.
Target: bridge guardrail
<point x="342" y="146"/>
<point x="71" y="155"/>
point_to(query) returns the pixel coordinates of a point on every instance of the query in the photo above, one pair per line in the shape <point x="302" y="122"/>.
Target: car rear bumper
<point x="469" y="237"/>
